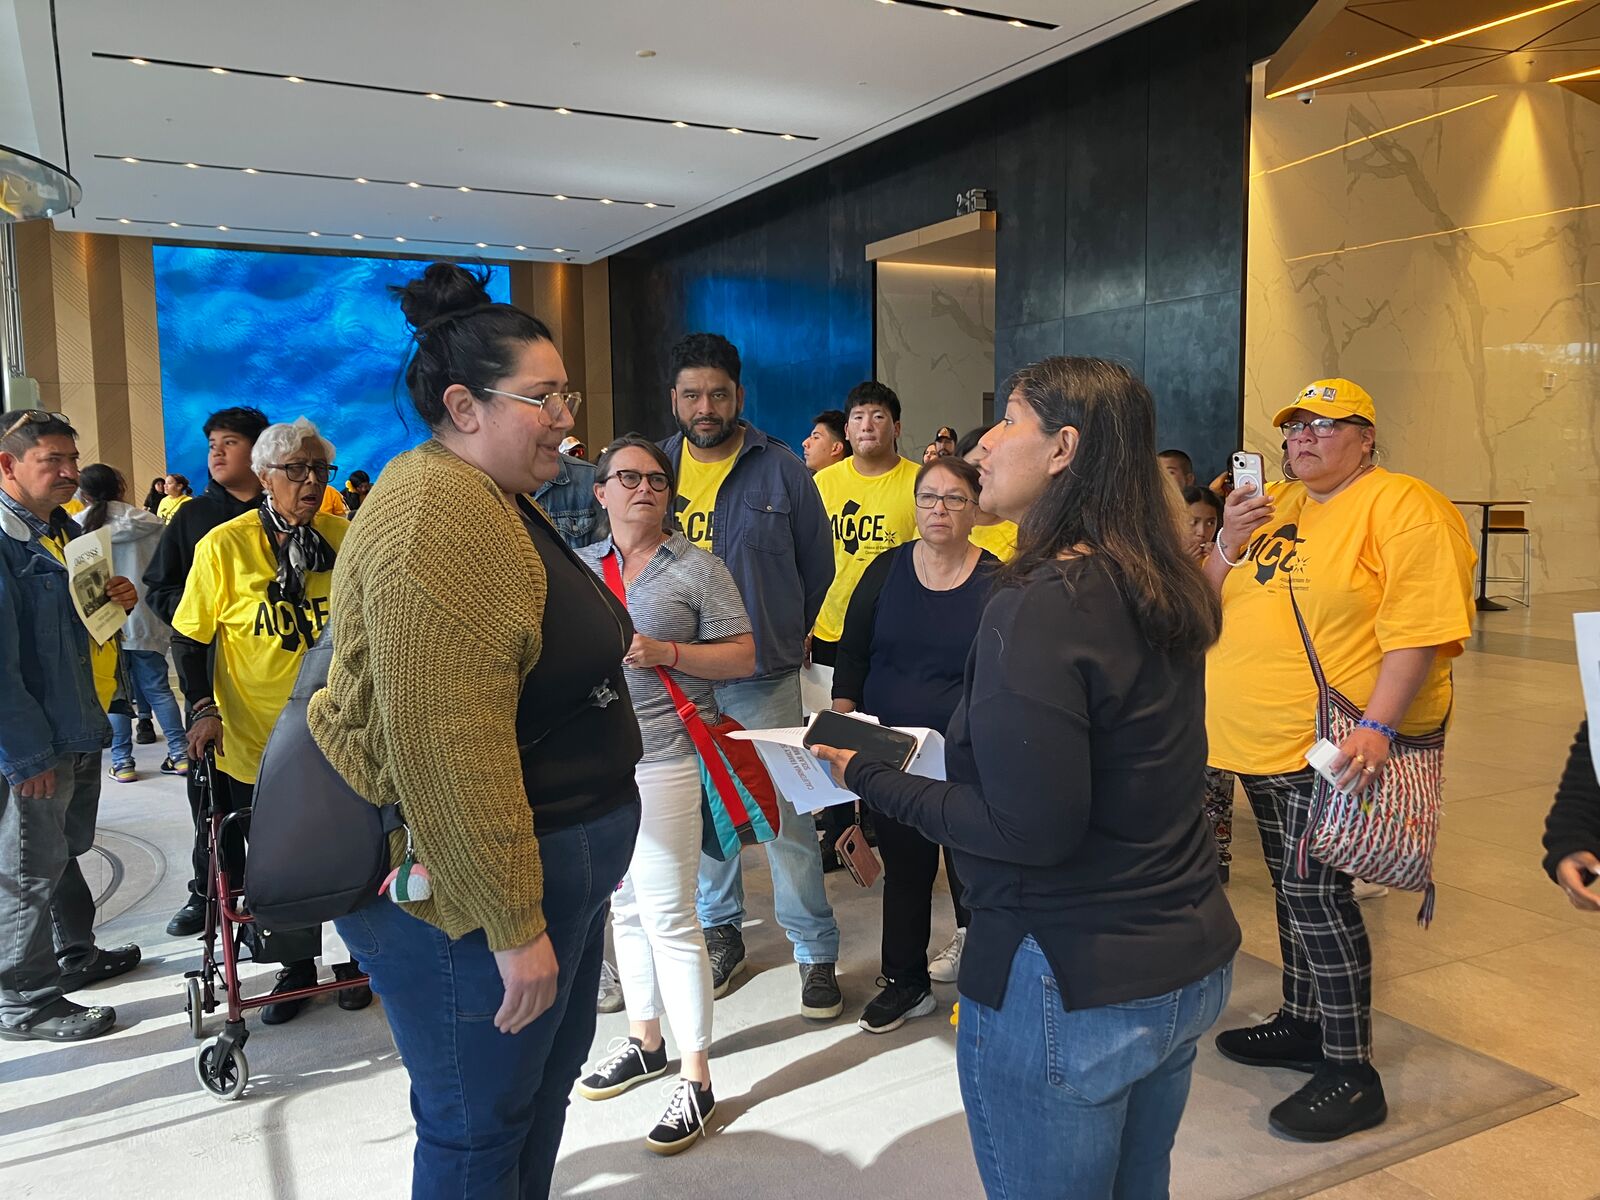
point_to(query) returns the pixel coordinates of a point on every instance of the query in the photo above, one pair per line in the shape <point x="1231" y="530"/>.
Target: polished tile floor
<point x="1509" y="967"/>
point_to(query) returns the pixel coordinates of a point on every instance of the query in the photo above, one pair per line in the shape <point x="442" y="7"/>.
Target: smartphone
<point x="857" y="856"/>
<point x="1248" y="468"/>
<point x="875" y="743"/>
<point x="1321" y="758"/>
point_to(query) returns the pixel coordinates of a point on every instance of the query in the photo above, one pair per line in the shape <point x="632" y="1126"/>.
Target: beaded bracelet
<point x="1223" y="554"/>
<point x="1388" y="731"/>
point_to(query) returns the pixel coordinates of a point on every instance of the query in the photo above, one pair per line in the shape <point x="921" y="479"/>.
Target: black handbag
<point x="318" y="849"/>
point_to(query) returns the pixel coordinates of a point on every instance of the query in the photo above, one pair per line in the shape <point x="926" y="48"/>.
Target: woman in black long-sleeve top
<point x="1572" y="830"/>
<point x="901" y="659"/>
<point x="1102" y="944"/>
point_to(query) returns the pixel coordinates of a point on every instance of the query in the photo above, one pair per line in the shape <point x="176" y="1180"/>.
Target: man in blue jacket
<point x="749" y="500"/>
<point x="52" y="730"/>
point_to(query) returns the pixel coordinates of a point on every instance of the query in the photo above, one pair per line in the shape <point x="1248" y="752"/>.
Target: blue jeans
<point x="799" y="900"/>
<point x="1084" y="1104"/>
<point x="490" y="1107"/>
<point x="149" y="671"/>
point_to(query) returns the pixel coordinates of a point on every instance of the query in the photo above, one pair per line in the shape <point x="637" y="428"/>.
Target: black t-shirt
<point x="577" y="756"/>
<point x="1076" y="765"/>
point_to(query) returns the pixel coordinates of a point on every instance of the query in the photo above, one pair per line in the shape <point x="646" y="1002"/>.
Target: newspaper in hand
<point x="88" y="572"/>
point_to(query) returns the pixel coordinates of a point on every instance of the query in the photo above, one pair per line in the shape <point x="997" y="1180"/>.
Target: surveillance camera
<point x="1306" y="97"/>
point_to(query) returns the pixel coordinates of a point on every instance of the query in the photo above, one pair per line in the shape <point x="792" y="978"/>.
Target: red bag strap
<point x="705" y="745"/>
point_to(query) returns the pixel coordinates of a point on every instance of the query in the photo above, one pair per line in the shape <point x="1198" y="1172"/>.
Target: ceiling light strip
<point x="1423" y="44"/>
<point x="405" y="183"/>
<point x="359" y="237"/>
<point x="1372" y="136"/>
<point x="1422" y="237"/>
<point x="1589" y="74"/>
<point x="489" y="101"/>
<point x="956" y="10"/>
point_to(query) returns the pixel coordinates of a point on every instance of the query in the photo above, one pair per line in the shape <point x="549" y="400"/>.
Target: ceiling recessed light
<point x="139" y="62"/>
<point x="649" y="204"/>
<point x="359" y="179"/>
<point x="558" y="249"/>
<point x="463" y="188"/>
<point x="885" y="1"/>
<point x="251" y="171"/>
<point x="680" y="125"/>
<point x="132" y="160"/>
<point x="483" y="245"/>
<point x="952" y="12"/>
<point x="192" y="166"/>
<point x="603" y="200"/>
<point x="1016" y="24"/>
<point x="356" y="236"/>
<point x="222" y="228"/>
<point x="124" y="221"/>
<point x="732" y="130"/>
<point x="219" y="71"/>
<point x="435" y="96"/>
<point x="644" y="53"/>
<point x="521" y="247"/>
<point x="294" y="79"/>
<point x="788" y="137"/>
<point x="500" y="104"/>
<point x="399" y="239"/>
<point x="559" y="197"/>
<point x="173" y="224"/>
<point x="414" y="184"/>
<point x="564" y="112"/>
<point x="313" y="233"/>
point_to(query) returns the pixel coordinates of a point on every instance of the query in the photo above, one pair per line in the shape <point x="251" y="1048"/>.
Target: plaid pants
<point x="1327" y="960"/>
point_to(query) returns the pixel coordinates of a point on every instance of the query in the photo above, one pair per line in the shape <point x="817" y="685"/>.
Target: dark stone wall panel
<point x="1117" y="334"/>
<point x="1192" y="367"/>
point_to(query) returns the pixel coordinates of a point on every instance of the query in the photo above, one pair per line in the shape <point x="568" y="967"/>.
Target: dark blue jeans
<point x="489" y="1106"/>
<point x="1080" y="1105"/>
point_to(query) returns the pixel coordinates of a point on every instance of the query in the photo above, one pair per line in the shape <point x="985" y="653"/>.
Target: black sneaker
<point x="144" y="733"/>
<point x="684" y="1122"/>
<point x="896" y="1004"/>
<point x="1280" y="1041"/>
<point x="725" y="946"/>
<point x="626" y="1064"/>
<point x="1337" y="1101"/>
<point x="820" y="998"/>
<point x="296" y="975"/>
<point x="190" y="919"/>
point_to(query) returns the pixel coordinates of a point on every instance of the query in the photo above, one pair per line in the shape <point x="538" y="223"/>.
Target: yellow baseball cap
<point x="1334" y="398"/>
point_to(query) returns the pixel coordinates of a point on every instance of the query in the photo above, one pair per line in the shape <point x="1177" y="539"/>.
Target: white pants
<point x="661" y="952"/>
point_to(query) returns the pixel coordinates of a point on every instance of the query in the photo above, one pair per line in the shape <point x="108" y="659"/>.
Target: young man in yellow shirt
<point x="869" y="501"/>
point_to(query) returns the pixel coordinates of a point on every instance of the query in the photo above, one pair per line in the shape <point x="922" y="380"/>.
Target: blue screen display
<point x="295" y="335"/>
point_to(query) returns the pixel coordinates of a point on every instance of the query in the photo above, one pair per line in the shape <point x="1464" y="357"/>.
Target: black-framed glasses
<point x="299" y="472"/>
<point x="630" y="479"/>
<point x="954" y="502"/>
<point x="552" y="404"/>
<point x="1320" y="427"/>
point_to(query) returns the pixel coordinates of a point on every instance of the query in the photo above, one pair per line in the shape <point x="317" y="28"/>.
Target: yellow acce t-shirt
<point x="171" y="505"/>
<point x="231" y="598"/>
<point x="698" y="485"/>
<point x="869" y="514"/>
<point x="1384" y="565"/>
<point x="999" y="539"/>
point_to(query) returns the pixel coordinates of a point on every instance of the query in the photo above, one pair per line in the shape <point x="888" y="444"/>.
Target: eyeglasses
<point x="552" y="404"/>
<point x="299" y="472"/>
<point x="952" y="503"/>
<point x="1320" y="427"/>
<point x="630" y="479"/>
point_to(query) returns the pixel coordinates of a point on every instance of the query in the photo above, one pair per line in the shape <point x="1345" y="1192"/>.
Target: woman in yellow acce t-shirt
<point x="177" y="495"/>
<point x="258" y="594"/>
<point x="1381" y="566"/>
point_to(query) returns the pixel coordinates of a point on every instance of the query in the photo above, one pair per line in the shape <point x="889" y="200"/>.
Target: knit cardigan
<point x="440" y="595"/>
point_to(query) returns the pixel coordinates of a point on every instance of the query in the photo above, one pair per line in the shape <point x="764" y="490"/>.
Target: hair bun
<point x="443" y="290"/>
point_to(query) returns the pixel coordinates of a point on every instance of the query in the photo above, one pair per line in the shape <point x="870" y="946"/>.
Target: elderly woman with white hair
<point x="256" y="599"/>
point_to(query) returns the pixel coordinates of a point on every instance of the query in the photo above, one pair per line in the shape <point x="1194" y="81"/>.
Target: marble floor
<point x="1508" y="969"/>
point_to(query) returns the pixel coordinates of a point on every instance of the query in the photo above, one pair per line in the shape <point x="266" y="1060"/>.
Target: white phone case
<point x="1249" y="468"/>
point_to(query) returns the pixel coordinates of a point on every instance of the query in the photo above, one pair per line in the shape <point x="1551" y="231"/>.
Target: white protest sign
<point x="88" y="572"/>
<point x="1587" y="627"/>
<point x="805" y="781"/>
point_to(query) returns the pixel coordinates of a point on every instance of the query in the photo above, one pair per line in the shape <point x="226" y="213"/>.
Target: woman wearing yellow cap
<point x="1381" y="569"/>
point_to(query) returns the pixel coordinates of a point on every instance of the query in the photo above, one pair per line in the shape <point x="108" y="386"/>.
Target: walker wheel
<point x="232" y="1078"/>
<point x="192" y="1006"/>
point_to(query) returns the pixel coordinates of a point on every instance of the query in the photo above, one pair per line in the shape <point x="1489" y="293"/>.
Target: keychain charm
<point x="409" y="882"/>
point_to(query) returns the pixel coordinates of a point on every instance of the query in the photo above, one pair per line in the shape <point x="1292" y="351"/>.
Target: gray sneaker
<point x="725" y="946"/>
<point x="820" y="998"/>
<point x="610" y="1000"/>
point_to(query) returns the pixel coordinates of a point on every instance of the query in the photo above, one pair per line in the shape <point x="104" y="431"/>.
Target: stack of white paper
<point x="806" y="782"/>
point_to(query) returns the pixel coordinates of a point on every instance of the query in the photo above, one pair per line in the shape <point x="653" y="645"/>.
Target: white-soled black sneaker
<point x="896" y="1004"/>
<point x="626" y="1064"/>
<point x="689" y="1108"/>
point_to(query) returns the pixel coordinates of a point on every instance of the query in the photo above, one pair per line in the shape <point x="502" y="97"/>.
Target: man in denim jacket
<point x="52" y="730"/>
<point x="749" y="500"/>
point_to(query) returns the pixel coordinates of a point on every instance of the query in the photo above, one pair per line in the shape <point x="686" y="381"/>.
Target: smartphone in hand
<point x="1249" y="468"/>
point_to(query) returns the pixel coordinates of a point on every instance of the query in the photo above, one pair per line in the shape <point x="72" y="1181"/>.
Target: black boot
<point x="292" y="978"/>
<point x="352" y="999"/>
<point x="190" y="919"/>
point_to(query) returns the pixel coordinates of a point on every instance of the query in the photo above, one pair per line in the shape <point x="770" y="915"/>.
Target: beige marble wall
<point x="935" y="346"/>
<point x="1451" y="267"/>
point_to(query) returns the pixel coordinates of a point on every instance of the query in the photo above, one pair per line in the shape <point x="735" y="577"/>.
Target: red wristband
<point x="674" y="646"/>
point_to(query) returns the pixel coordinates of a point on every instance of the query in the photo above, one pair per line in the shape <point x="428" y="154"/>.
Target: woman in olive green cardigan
<point x="468" y="634"/>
